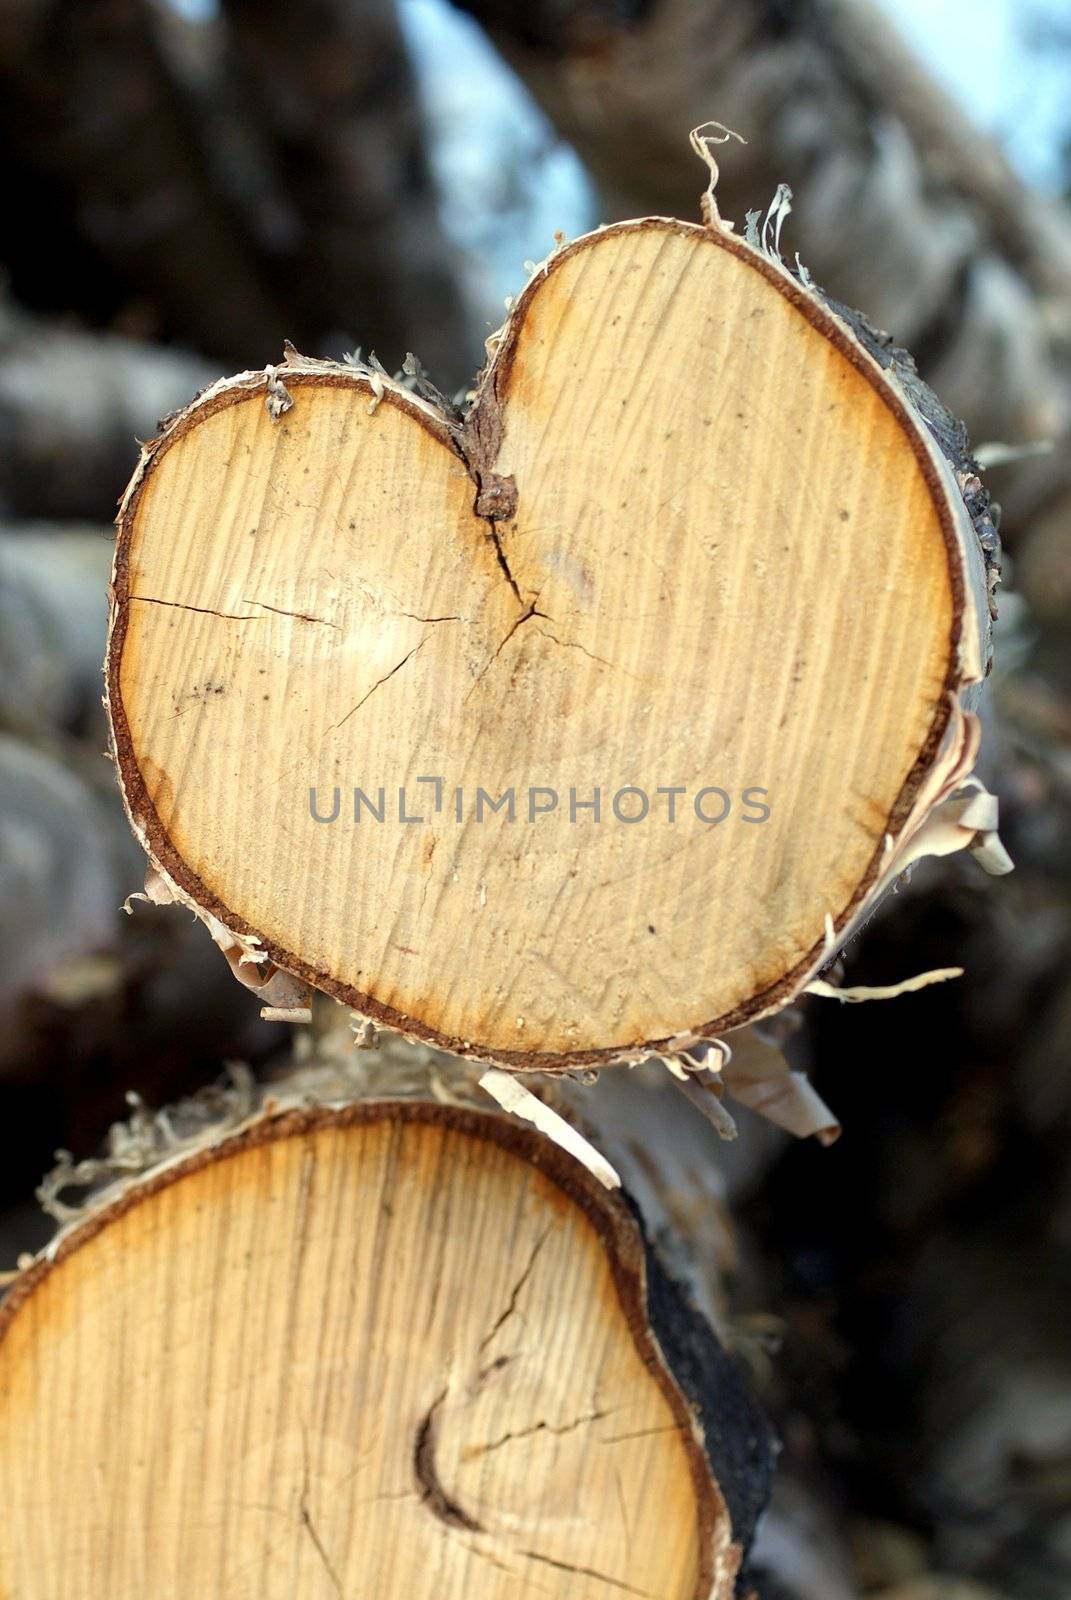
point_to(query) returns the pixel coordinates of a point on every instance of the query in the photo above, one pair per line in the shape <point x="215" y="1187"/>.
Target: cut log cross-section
<point x="587" y="724"/>
<point x="395" y="1348"/>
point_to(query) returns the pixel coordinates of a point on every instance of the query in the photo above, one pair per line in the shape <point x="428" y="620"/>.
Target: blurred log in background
<point x="188" y="186"/>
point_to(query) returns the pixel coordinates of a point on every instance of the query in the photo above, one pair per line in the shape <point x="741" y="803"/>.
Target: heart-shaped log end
<point x="581" y="726"/>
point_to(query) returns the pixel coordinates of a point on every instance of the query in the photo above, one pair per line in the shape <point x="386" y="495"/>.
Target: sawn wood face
<point x="689" y="540"/>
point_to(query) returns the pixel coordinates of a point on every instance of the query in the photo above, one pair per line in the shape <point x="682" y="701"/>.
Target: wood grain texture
<point x="391" y="1350"/>
<point x="706" y="548"/>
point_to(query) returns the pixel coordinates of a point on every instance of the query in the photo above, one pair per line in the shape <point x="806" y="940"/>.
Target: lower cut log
<point x="397" y="1347"/>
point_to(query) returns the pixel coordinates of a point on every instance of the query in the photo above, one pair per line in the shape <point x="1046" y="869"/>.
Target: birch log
<point x="693" y="599"/>
<point x="397" y="1347"/>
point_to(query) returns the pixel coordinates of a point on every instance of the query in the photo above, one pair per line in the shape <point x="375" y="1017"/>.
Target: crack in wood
<point x="573" y="644"/>
<point x="234" y="616"/>
<point x="488" y="1372"/>
<point x="586" y="1572"/>
<point x="500" y="553"/>
<point x="298" y="616"/>
<point x="489" y="663"/>
<point x="307" y="1524"/>
<point x="556" y="1429"/>
<point x="305" y="1516"/>
<point x="517" y="1289"/>
<point x="202" y="611"/>
<point x="641" y="1433"/>
<point x="434" y="1495"/>
<point x="413" y="617"/>
<point x="377" y="685"/>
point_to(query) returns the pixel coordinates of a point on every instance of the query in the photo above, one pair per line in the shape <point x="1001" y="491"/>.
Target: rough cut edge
<point x="942" y="767"/>
<point x="727" y="1441"/>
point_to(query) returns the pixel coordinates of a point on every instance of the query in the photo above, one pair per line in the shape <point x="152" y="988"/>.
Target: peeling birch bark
<point x="392" y="1346"/>
<point x="702" y="534"/>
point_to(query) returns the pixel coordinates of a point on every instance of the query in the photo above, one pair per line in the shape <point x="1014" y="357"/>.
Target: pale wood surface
<point x="726" y="566"/>
<point x="379" y="1359"/>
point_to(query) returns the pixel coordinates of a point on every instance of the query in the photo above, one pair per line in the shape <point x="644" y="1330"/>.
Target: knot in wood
<point x="496" y="498"/>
